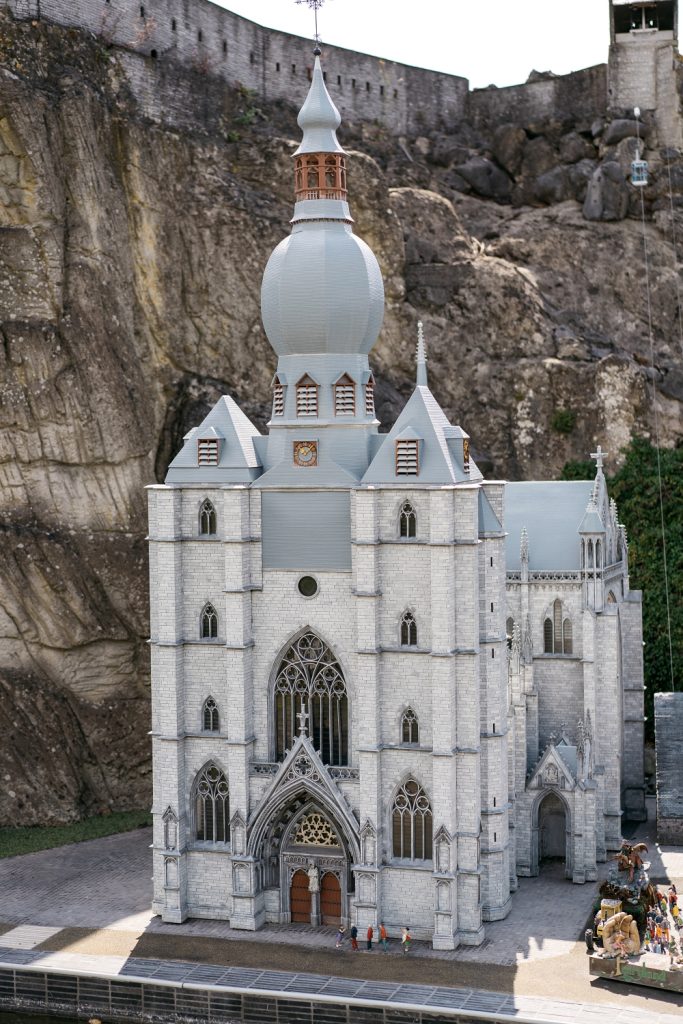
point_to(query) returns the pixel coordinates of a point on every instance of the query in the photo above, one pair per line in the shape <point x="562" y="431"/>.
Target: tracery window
<point x="211" y="806"/>
<point x="209" y="623"/>
<point x="278" y="398"/>
<point x="410" y="730"/>
<point x="557" y="631"/>
<point x="207" y="519"/>
<point x="407" y="520"/>
<point x="315" y="830"/>
<point x="411" y="823"/>
<point x="310" y="682"/>
<point x="408" y="630"/>
<point x="210" y="716"/>
<point x="306" y="397"/>
<point x="370" y="397"/>
<point x="345" y="396"/>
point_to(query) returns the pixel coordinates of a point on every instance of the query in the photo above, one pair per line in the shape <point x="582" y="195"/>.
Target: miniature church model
<point x="377" y="694"/>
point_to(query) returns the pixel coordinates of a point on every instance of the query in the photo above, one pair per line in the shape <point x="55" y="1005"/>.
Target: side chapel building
<point x="383" y="687"/>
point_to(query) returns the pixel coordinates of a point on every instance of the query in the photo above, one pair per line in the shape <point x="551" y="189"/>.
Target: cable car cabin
<point x="646" y="16"/>
<point x="639" y="173"/>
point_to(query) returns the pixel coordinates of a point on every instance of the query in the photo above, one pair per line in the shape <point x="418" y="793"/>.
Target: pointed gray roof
<point x="441" y="446"/>
<point x="238" y="461"/>
<point x="319" y="118"/>
<point x="488" y="520"/>
<point x="552" y="512"/>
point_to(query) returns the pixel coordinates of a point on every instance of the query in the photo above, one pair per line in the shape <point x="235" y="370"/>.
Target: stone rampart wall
<point x="579" y="96"/>
<point x="273" y="64"/>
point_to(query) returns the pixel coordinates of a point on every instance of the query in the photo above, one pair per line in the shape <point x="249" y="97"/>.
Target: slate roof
<point x="441" y="446"/>
<point x="239" y="461"/>
<point x="552" y="512"/>
<point x="669" y="749"/>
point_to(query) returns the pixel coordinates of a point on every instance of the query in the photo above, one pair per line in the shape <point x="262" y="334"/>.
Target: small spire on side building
<point x="421" y="357"/>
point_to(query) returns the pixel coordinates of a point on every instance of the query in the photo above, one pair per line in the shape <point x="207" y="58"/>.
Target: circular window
<point x="308" y="586"/>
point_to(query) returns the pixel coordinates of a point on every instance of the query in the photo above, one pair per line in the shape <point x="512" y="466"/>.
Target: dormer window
<point x="345" y="396"/>
<point x="370" y="397"/>
<point x="278" y="398"/>
<point x="307" y="397"/>
<point x="407" y="457"/>
<point x="208" y="451"/>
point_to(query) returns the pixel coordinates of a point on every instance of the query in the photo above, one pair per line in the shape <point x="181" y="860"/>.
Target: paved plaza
<point x="87" y="906"/>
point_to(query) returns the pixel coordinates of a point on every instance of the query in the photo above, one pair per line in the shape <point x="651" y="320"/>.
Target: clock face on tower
<point x="305" y="453"/>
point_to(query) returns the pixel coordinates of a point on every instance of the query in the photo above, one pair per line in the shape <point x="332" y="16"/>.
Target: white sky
<point x="487" y="41"/>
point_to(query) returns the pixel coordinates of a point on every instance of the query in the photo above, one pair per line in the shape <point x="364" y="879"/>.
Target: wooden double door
<point x="301" y="901"/>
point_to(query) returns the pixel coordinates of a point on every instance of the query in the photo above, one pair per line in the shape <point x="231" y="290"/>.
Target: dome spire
<point x="318" y="118"/>
<point x="421" y="357"/>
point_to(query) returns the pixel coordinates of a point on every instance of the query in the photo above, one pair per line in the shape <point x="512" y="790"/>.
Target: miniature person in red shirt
<point x="370" y="934"/>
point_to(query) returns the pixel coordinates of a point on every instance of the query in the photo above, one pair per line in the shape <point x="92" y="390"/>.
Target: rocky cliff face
<point x="131" y="252"/>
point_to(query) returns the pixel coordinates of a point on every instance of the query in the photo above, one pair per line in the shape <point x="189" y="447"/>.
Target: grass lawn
<point x="14" y="841"/>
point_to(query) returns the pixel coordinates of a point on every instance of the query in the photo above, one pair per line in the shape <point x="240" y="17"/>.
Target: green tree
<point x="635" y="488"/>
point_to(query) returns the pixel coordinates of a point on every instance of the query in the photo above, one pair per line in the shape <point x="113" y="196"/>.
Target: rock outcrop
<point x="131" y="254"/>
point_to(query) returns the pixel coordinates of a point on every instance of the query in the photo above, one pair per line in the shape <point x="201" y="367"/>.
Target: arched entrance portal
<point x="330" y="899"/>
<point x="300" y="898"/>
<point x="552" y="829"/>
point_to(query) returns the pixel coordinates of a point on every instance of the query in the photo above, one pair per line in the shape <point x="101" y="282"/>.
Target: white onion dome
<point x="322" y="289"/>
<point x="322" y="292"/>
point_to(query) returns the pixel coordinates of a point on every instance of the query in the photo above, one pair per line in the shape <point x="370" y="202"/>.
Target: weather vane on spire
<point x="315" y="5"/>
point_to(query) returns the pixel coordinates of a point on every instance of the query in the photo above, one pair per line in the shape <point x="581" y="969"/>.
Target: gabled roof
<point x="552" y="512"/>
<point x="563" y="757"/>
<point x="441" y="446"/>
<point x="238" y="457"/>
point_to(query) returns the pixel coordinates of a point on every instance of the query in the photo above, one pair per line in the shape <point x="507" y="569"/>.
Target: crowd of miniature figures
<point x="652" y="922"/>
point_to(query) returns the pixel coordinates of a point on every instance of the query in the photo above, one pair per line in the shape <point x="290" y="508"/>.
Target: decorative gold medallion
<point x="305" y="453"/>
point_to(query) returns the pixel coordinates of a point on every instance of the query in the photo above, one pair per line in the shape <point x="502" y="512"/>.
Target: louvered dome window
<point x="345" y="396"/>
<point x="370" y="397"/>
<point x="407" y="458"/>
<point x="278" y="398"/>
<point x="307" y="397"/>
<point x="208" y="451"/>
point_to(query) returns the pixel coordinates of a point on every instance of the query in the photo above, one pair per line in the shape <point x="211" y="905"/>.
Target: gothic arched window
<point x="408" y="630"/>
<point x="207" y="519"/>
<point x="410" y="730"/>
<point x="310" y="683"/>
<point x="209" y="623"/>
<point x="210" y="716"/>
<point x="407" y="520"/>
<point x="211" y="806"/>
<point x="557" y="631"/>
<point x="411" y="823"/>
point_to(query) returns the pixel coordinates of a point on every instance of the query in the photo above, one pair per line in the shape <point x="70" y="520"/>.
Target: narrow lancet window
<point x="207" y="519"/>
<point x="210" y="717"/>
<point x="408" y="630"/>
<point x="209" y="623"/>
<point x="410" y="732"/>
<point x="408" y="520"/>
<point x="211" y="806"/>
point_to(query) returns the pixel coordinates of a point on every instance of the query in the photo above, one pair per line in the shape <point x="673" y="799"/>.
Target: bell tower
<point x="643" y="58"/>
